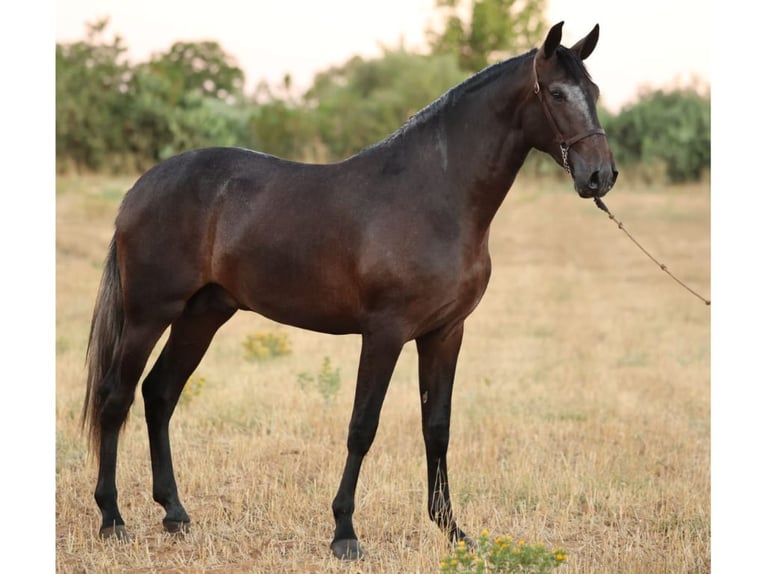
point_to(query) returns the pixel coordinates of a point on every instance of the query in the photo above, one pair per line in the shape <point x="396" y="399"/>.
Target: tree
<point x="665" y="130"/>
<point x="281" y="125"/>
<point x="164" y="120"/>
<point x="202" y="68"/>
<point x="111" y="115"/>
<point x="92" y="76"/>
<point x="361" y="102"/>
<point x="185" y="98"/>
<point x="497" y="29"/>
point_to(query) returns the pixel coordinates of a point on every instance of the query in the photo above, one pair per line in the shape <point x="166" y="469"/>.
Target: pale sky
<point x="655" y="44"/>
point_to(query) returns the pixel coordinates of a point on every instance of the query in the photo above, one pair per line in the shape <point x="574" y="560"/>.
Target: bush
<point x="326" y="381"/>
<point x="501" y="555"/>
<point x="665" y="133"/>
<point x="266" y="345"/>
<point x="192" y="389"/>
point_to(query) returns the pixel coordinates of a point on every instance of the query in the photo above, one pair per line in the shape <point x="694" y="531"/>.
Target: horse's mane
<point x="456" y="93"/>
<point x="488" y="75"/>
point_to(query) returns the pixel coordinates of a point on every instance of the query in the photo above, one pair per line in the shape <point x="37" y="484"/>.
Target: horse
<point x="390" y="243"/>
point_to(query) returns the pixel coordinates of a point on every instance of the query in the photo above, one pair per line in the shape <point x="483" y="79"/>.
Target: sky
<point x="652" y="46"/>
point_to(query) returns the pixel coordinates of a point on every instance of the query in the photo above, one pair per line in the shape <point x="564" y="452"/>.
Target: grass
<point x="581" y="411"/>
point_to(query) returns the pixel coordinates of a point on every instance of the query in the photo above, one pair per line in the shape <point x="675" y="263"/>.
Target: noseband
<point x="564" y="143"/>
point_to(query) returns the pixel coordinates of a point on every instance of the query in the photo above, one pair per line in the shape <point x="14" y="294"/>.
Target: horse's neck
<point x="486" y="144"/>
<point x="469" y="146"/>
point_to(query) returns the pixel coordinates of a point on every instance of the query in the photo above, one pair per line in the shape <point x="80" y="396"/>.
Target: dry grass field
<point x="581" y="414"/>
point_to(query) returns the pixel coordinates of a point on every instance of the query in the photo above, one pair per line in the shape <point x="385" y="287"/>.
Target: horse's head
<point x="561" y="119"/>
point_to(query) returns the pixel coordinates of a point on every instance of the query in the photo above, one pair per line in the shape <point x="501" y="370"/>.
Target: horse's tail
<point x="105" y="332"/>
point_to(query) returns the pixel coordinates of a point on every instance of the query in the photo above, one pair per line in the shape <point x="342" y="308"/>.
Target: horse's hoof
<point x="469" y="543"/>
<point x="176" y="526"/>
<point x="348" y="549"/>
<point x="117" y="532"/>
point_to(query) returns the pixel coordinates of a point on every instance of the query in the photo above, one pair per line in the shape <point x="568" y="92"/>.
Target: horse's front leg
<point x="379" y="354"/>
<point x="437" y="360"/>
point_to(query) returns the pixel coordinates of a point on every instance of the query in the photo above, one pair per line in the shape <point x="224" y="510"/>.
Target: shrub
<point x="501" y="555"/>
<point x="666" y="132"/>
<point x="266" y="345"/>
<point x="192" y="389"/>
<point x="326" y="381"/>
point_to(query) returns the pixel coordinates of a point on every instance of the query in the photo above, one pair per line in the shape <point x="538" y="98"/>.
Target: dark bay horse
<point x="390" y="244"/>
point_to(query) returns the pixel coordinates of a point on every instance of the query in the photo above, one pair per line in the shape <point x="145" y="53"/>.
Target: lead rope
<point x="602" y="206"/>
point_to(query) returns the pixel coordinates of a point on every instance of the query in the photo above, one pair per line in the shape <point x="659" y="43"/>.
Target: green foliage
<point x="283" y="128"/>
<point x="363" y="101"/>
<point x="326" y="381"/>
<point x="201" y="68"/>
<point x="113" y="116"/>
<point x="667" y="133"/>
<point x="158" y="127"/>
<point x="497" y="29"/>
<point x="266" y="345"/>
<point x="501" y="555"/>
<point x="91" y="94"/>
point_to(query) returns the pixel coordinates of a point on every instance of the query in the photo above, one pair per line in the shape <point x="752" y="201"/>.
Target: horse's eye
<point x="557" y="95"/>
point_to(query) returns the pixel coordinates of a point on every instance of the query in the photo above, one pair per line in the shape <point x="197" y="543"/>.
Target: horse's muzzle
<point x="597" y="184"/>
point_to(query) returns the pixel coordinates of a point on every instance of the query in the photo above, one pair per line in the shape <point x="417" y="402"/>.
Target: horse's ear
<point x="552" y="40"/>
<point x="585" y="47"/>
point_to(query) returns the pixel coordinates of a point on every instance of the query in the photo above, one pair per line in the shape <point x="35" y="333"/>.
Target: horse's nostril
<point x="593" y="183"/>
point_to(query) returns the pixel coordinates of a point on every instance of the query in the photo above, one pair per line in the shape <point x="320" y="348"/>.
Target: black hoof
<point x="348" y="549"/>
<point x="117" y="532"/>
<point x="469" y="543"/>
<point x="176" y="526"/>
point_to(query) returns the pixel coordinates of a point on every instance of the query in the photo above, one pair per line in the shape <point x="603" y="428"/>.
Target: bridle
<point x="564" y="143"/>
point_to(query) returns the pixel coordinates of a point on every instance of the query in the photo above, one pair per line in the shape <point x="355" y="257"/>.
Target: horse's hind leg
<point x="190" y="336"/>
<point x="117" y="392"/>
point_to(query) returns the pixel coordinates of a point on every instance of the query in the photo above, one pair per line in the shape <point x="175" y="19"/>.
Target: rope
<point x="602" y="206"/>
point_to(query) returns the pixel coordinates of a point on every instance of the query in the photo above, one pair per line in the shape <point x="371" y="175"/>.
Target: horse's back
<point x="266" y="229"/>
<point x="196" y="177"/>
<point x="186" y="197"/>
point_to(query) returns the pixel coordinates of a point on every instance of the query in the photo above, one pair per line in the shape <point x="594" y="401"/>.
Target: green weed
<point x="192" y="389"/>
<point x="326" y="381"/>
<point x="501" y="555"/>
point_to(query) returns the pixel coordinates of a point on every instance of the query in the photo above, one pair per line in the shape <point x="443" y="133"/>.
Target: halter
<point x="564" y="143"/>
